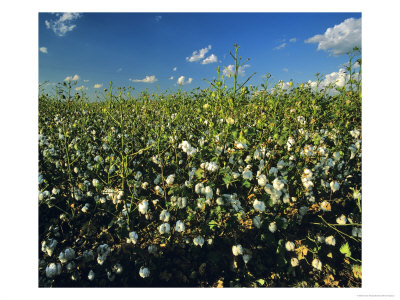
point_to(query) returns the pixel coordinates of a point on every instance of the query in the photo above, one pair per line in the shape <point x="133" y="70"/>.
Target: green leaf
<point x="199" y="173"/>
<point x="212" y="224"/>
<point x="246" y="183"/>
<point x="345" y="249"/>
<point x="261" y="281"/>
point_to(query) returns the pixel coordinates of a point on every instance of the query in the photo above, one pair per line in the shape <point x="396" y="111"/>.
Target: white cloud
<point x="98" y="85"/>
<point x="285" y="69"/>
<point x="43" y="49"/>
<point x="79" y="88"/>
<point x="158" y="18"/>
<point x="63" y="24"/>
<point x="181" y="80"/>
<point x="171" y="78"/>
<point x="197" y="55"/>
<point x="293" y="40"/>
<point x="209" y="60"/>
<point x="174" y="69"/>
<point x="72" y="78"/>
<point x="339" y="39"/>
<point x="337" y="79"/>
<point x="147" y="79"/>
<point x="86" y="80"/>
<point x="283" y="45"/>
<point x="230" y="70"/>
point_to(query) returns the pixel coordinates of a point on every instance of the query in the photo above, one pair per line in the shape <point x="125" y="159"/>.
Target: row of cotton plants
<point x="201" y="189"/>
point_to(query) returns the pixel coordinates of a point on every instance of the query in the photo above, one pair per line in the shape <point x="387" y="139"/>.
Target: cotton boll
<point x="272" y="227"/>
<point x="133" y="237"/>
<point x="330" y="240"/>
<point x="170" y="179"/>
<point x="237" y="250"/>
<point x="91" y="275"/>
<point x="164" y="216"/>
<point x="259" y="206"/>
<point x="294" y="262"/>
<point x="246" y="258"/>
<point x="198" y="241"/>
<point x="144" y="272"/>
<point x="257" y="221"/>
<point x="262" y="180"/>
<point x="143" y="207"/>
<point x="164" y="228"/>
<point x="152" y="249"/>
<point x="335" y="186"/>
<point x="53" y="270"/>
<point x="247" y="175"/>
<point x="341" y="220"/>
<point x="317" y="264"/>
<point x="325" y="206"/>
<point x="180" y="226"/>
<point x="278" y="184"/>
<point x="117" y="268"/>
<point x="290" y="246"/>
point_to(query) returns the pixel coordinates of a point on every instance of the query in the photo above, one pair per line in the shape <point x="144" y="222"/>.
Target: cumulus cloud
<point x="293" y="40"/>
<point x="86" y="80"/>
<point x="209" y="60"/>
<point x="72" y="78"/>
<point x="336" y="79"/>
<point x="157" y="18"/>
<point x="63" y="23"/>
<point x="230" y="70"/>
<point x="147" y="79"/>
<point x="79" y="88"/>
<point x="171" y="78"/>
<point x="283" y="45"/>
<point x="181" y="80"/>
<point x="174" y="69"/>
<point x="43" y="49"/>
<point x="339" y="39"/>
<point x="198" y="55"/>
<point x="98" y="85"/>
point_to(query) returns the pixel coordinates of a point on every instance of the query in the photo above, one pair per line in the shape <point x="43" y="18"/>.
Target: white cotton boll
<point x="240" y="146"/>
<point x="330" y="240"/>
<point x="307" y="173"/>
<point x="164" y="228"/>
<point x="49" y="246"/>
<point x="281" y="164"/>
<point x="220" y="201"/>
<point x="246" y="258"/>
<point x="143" y="207"/>
<point x="66" y="255"/>
<point x="303" y="210"/>
<point x="144" y="272"/>
<point x="198" y="187"/>
<point x="91" y="275"/>
<point x="248" y="175"/>
<point x="182" y="202"/>
<point x="335" y="186"/>
<point x="290" y="143"/>
<point x="273" y="171"/>
<point x="133" y="237"/>
<point x="53" y="270"/>
<point x="85" y="208"/>
<point x="356" y="232"/>
<point x="317" y="264"/>
<point x="95" y="182"/>
<point x="158" y="179"/>
<point x="198" y="241"/>
<point x="180" y="226"/>
<point x="259" y="205"/>
<point x="272" y="227"/>
<point x="294" y="262"/>
<point x="103" y="251"/>
<point x="152" y="249"/>
<point x="262" y="180"/>
<point x="159" y="190"/>
<point x="70" y="266"/>
<point x="290" y="246"/>
<point x="257" y="221"/>
<point x="76" y="170"/>
<point x="325" y="206"/>
<point x="55" y="191"/>
<point x="237" y="250"/>
<point x="269" y="189"/>
<point x="117" y="268"/>
<point x="164" y="215"/>
<point x="355" y="133"/>
<point x="170" y="179"/>
<point x="286" y="198"/>
<point x="208" y="192"/>
<point x="336" y="156"/>
<point x="257" y="154"/>
<point x="341" y="220"/>
<point x="235" y="175"/>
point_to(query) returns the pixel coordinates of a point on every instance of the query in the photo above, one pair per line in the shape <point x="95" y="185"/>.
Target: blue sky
<point x="154" y="50"/>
